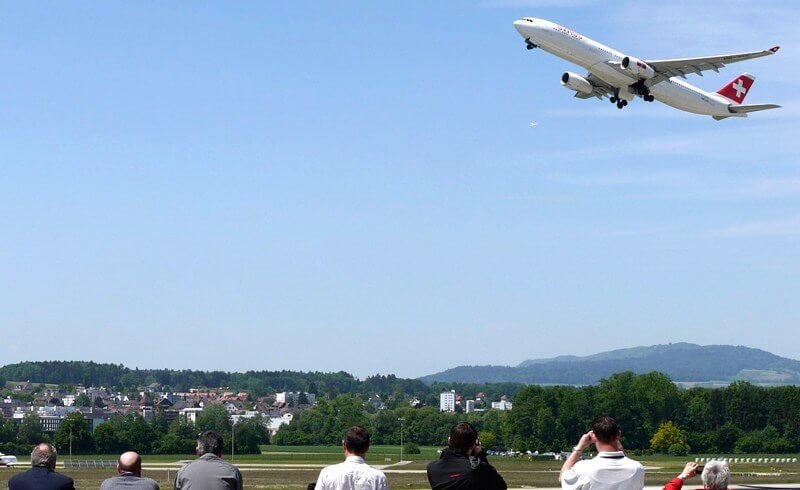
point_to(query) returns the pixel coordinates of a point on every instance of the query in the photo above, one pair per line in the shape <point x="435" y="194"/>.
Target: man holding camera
<point x="609" y="469"/>
<point x="463" y="464"/>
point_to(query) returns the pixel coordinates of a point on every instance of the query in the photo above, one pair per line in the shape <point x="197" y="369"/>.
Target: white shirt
<point x="353" y="474"/>
<point x="606" y="471"/>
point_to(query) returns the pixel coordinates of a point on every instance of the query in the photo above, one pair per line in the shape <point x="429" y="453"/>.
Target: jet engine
<point x="577" y="83"/>
<point x="637" y="68"/>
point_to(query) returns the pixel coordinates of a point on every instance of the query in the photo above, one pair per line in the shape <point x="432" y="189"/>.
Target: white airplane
<point x="622" y="78"/>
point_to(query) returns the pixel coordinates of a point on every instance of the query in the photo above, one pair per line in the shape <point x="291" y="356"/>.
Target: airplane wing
<point x="599" y="88"/>
<point x="680" y="67"/>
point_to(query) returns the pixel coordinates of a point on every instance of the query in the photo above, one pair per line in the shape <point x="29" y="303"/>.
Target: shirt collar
<point x="611" y="454"/>
<point x="355" y="459"/>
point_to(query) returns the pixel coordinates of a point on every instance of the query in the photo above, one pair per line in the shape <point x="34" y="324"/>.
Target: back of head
<point x="44" y="455"/>
<point x="356" y="440"/>
<point x="130" y="462"/>
<point x="209" y="442"/>
<point x="716" y="475"/>
<point x="605" y="429"/>
<point x="463" y="437"/>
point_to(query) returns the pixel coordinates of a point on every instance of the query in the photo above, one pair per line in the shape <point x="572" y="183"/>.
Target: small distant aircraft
<point x="621" y="78"/>
<point x="8" y="460"/>
<point x="534" y="124"/>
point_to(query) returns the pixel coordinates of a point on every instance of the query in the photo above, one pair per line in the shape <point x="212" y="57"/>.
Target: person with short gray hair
<point x="42" y="475"/>
<point x="209" y="471"/>
<point x="716" y="476"/>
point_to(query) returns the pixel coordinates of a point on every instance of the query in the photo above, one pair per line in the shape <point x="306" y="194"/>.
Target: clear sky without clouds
<point x="356" y="186"/>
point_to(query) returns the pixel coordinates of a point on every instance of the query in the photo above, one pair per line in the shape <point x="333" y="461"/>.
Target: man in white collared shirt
<point x="354" y="473"/>
<point x="609" y="470"/>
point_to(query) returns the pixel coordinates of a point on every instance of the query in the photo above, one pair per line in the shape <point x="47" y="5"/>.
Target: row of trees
<point x="653" y="413"/>
<point x="133" y="432"/>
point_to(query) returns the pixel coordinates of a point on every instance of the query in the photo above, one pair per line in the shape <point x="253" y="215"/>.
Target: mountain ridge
<point x="683" y="362"/>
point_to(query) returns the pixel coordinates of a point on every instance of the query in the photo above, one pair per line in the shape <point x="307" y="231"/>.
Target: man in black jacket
<point x="463" y="464"/>
<point x="42" y="475"/>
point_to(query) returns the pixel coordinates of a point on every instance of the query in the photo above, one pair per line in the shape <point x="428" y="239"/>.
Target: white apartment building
<point x="502" y="405"/>
<point x="470" y="406"/>
<point x="447" y="401"/>
<point x="275" y="423"/>
<point x="294" y="397"/>
<point x="191" y="414"/>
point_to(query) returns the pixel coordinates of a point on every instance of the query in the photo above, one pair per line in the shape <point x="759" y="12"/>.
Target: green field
<point x="290" y="467"/>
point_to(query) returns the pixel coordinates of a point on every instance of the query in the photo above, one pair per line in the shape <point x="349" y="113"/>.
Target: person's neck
<point x="606" y="447"/>
<point x="348" y="454"/>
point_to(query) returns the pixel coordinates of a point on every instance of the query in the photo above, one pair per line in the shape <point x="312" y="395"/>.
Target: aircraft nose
<point x="519" y="25"/>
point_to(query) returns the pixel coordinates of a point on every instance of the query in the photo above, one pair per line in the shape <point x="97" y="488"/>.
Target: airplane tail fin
<point x="737" y="89"/>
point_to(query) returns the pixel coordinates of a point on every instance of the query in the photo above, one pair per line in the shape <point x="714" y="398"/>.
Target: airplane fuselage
<point x="599" y="60"/>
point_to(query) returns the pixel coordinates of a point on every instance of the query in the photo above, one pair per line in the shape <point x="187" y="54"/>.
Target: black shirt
<point x="455" y="470"/>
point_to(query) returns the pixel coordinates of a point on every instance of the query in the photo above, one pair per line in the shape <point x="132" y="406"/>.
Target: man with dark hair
<point x="129" y="469"/>
<point x="354" y="473"/>
<point x="209" y="471"/>
<point x="42" y="475"/>
<point x="463" y="464"/>
<point x="611" y="469"/>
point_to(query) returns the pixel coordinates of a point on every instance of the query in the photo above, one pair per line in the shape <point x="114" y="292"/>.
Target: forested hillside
<point x="682" y="362"/>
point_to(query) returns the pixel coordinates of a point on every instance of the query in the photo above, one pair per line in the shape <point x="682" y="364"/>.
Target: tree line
<point x="132" y="432"/>
<point x="654" y="414"/>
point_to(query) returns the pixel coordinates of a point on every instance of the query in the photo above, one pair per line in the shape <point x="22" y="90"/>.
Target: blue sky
<point x="355" y="186"/>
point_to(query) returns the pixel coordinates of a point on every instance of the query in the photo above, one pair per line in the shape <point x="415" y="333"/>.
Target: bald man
<point x="129" y="468"/>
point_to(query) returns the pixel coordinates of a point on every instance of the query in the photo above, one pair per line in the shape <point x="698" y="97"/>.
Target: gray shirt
<point x="209" y="472"/>
<point x="129" y="481"/>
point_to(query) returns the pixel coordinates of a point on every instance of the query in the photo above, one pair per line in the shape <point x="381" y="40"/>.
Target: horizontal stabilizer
<point x="740" y="109"/>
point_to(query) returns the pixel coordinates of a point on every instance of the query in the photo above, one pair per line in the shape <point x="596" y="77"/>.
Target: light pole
<point x="70" y="443"/>
<point x="401" y="420"/>
<point x="233" y="438"/>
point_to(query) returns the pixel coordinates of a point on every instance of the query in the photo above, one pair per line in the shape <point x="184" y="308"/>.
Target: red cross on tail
<point x="738" y="88"/>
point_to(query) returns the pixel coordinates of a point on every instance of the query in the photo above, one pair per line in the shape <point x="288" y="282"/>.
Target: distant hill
<point x="683" y="362"/>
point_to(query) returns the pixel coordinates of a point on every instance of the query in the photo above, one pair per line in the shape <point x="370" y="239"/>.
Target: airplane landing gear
<point x="529" y="44"/>
<point x="616" y="99"/>
<point x="649" y="98"/>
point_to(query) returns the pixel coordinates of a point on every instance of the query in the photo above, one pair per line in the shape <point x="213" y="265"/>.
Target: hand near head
<point x="689" y="470"/>
<point x="586" y="440"/>
<point x="476" y="448"/>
